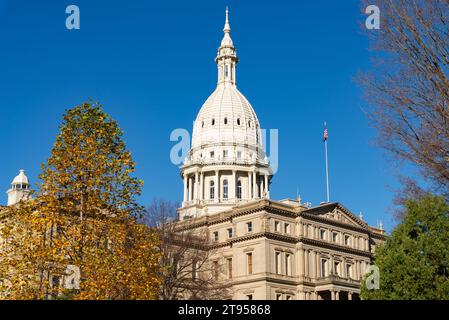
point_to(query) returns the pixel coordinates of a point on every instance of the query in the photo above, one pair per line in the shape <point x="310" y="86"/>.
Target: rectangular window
<point x="278" y="262"/>
<point x="225" y="189"/>
<point x="212" y="154"/>
<point x="335" y="237"/>
<point x="287" y="228"/>
<point x="249" y="297"/>
<point x="348" y="270"/>
<point x="194" y="266"/>
<point x="288" y="297"/>
<point x="230" y="233"/>
<point x="277" y="226"/>
<point x="347" y="240"/>
<point x="249" y="227"/>
<point x="337" y="268"/>
<point x="249" y="263"/>
<point x="225" y="154"/>
<point x="278" y="296"/>
<point x="216" y="236"/>
<point x="323" y="272"/>
<point x="216" y="270"/>
<point x="288" y="264"/>
<point x="322" y="234"/>
<point x="239" y="155"/>
<point x="229" y="263"/>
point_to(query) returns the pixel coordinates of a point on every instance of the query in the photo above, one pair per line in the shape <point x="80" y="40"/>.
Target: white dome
<point x="226" y="118"/>
<point x="226" y="126"/>
<point x="21" y="178"/>
<point x="226" y="165"/>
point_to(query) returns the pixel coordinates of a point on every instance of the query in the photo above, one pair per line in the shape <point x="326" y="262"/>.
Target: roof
<point x="21" y="178"/>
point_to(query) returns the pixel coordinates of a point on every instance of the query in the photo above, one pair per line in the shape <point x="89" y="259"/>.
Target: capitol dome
<point x="226" y="165"/>
<point x="226" y="119"/>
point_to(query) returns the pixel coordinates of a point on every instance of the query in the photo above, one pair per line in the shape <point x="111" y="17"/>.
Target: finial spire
<point x="227" y="27"/>
<point x="227" y="56"/>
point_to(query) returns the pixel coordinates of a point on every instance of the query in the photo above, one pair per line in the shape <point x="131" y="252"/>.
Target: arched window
<point x="212" y="190"/>
<point x="238" y="121"/>
<point x="225" y="120"/>
<point x="213" y="122"/>
<point x="202" y="124"/>
<point x="249" y="123"/>
<point x="239" y="189"/>
<point x="225" y="189"/>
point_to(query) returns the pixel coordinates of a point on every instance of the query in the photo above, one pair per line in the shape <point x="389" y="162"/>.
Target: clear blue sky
<point x="151" y="64"/>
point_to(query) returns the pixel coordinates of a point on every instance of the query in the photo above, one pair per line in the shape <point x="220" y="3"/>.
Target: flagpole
<point x="327" y="167"/>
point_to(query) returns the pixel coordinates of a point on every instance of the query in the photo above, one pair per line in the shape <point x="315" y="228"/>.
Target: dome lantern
<point x="20" y="189"/>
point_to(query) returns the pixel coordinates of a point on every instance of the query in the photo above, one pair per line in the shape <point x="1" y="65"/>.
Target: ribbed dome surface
<point x="226" y="118"/>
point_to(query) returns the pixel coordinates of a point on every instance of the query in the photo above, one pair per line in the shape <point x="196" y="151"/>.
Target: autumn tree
<point x="414" y="261"/>
<point x="189" y="265"/>
<point x="85" y="216"/>
<point x="408" y="88"/>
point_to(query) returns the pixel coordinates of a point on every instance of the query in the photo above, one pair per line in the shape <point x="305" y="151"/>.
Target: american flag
<point x="325" y="135"/>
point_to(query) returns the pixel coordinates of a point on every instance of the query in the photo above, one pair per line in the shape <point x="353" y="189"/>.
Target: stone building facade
<point x="267" y="249"/>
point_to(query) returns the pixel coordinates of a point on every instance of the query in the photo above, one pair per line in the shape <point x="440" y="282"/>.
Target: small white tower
<point x="20" y="189"/>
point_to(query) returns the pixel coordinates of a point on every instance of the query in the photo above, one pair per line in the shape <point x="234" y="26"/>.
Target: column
<point x="195" y="192"/>
<point x="332" y="295"/>
<point x="301" y="262"/>
<point x="317" y="264"/>
<point x="261" y="188"/>
<point x="314" y="266"/>
<point x="306" y="263"/>
<point x="201" y="195"/>
<point x="249" y="186"/>
<point x="254" y="185"/>
<point x="331" y="267"/>
<point x="233" y="185"/>
<point x="185" y="188"/>
<point x="190" y="188"/>
<point x="217" y="187"/>
<point x="349" y="295"/>
<point x="267" y="190"/>
<point x="337" y="295"/>
<point x="357" y="270"/>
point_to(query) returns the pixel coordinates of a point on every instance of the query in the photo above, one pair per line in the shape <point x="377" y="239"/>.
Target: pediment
<point x="337" y="212"/>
